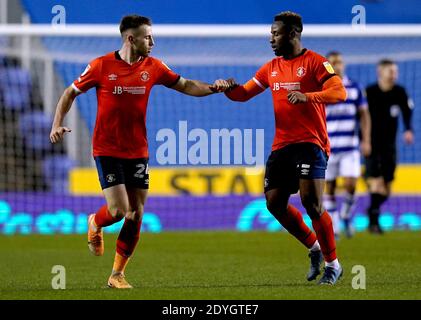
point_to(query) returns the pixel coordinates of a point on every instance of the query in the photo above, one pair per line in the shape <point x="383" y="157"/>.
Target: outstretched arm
<point x="63" y="106"/>
<point x="333" y="91"/>
<point x="243" y="92"/>
<point x="198" y="88"/>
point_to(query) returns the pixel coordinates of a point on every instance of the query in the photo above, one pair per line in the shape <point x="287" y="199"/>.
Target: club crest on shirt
<point x="301" y="71"/>
<point x="328" y="67"/>
<point x="144" y="76"/>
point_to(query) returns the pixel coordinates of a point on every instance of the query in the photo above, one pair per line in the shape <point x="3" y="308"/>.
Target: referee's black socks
<point x="376" y="200"/>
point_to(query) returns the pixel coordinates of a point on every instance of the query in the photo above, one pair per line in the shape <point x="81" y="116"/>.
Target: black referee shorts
<point x="381" y="164"/>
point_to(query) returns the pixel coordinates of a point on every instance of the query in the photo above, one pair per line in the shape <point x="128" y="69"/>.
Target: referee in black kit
<point x="386" y="100"/>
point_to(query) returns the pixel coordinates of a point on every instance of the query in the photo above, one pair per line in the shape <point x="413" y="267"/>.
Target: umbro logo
<point x="305" y="172"/>
<point x="305" y="169"/>
<point x="112" y="77"/>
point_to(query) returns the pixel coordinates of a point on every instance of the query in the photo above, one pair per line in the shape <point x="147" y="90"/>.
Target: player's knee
<point x="117" y="212"/>
<point x="313" y="207"/>
<point x="275" y="208"/>
<point x="135" y="215"/>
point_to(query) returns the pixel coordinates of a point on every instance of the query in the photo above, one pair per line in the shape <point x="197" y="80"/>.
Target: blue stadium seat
<point x="15" y="87"/>
<point x="35" y="129"/>
<point x="211" y="58"/>
<point x="56" y="172"/>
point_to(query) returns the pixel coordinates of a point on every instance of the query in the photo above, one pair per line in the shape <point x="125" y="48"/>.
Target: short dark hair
<point x="291" y="20"/>
<point x="133" y="21"/>
<point x="333" y="53"/>
<point x="385" y="62"/>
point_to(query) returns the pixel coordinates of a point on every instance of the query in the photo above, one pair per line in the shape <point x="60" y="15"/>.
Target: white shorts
<point x="344" y="164"/>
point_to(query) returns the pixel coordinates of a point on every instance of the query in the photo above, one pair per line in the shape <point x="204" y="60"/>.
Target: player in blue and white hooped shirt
<point x="344" y="120"/>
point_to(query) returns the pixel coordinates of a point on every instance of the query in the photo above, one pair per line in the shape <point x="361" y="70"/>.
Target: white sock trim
<point x="334" y="264"/>
<point x="315" y="246"/>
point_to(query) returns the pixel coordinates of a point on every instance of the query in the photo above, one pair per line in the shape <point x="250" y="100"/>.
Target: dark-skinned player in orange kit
<point x="302" y="83"/>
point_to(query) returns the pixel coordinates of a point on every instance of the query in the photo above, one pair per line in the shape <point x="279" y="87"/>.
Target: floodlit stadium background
<point x="51" y="189"/>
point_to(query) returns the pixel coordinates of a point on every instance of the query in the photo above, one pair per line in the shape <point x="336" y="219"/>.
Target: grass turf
<point x="209" y="265"/>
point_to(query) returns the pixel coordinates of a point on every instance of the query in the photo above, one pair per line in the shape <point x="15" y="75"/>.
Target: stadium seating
<point x="15" y="86"/>
<point x="56" y="170"/>
<point x="208" y="59"/>
<point x="35" y="128"/>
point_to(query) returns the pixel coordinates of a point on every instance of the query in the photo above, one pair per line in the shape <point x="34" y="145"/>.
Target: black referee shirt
<point x="385" y="108"/>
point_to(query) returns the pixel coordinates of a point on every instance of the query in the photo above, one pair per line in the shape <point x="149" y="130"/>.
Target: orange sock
<point x="128" y="237"/>
<point x="120" y="263"/>
<point x="293" y="222"/>
<point x="103" y="217"/>
<point x="324" y="231"/>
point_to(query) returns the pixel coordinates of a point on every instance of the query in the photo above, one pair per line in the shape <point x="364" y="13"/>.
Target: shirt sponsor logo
<point x="301" y="71"/>
<point x="131" y="90"/>
<point x="144" y="76"/>
<point x="289" y="86"/>
<point x="328" y="67"/>
<point x="112" y="77"/>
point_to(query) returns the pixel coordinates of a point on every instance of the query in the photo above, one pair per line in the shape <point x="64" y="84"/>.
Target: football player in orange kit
<point x="302" y="83"/>
<point x="123" y="80"/>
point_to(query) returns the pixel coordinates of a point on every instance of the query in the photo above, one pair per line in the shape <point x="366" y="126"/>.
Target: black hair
<point x="385" y="62"/>
<point x="291" y="20"/>
<point x="333" y="53"/>
<point x="133" y="21"/>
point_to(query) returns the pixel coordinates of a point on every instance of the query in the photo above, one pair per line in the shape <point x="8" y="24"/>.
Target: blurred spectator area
<point x="27" y="158"/>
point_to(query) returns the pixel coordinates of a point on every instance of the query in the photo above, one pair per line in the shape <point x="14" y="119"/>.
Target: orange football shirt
<point x="122" y="99"/>
<point x="304" y="122"/>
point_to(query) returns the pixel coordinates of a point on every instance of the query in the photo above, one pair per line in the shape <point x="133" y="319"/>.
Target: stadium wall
<point x="223" y="181"/>
<point x="23" y="213"/>
<point x="221" y="11"/>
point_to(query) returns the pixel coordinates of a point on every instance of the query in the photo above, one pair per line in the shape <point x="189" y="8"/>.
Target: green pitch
<point x="209" y="265"/>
